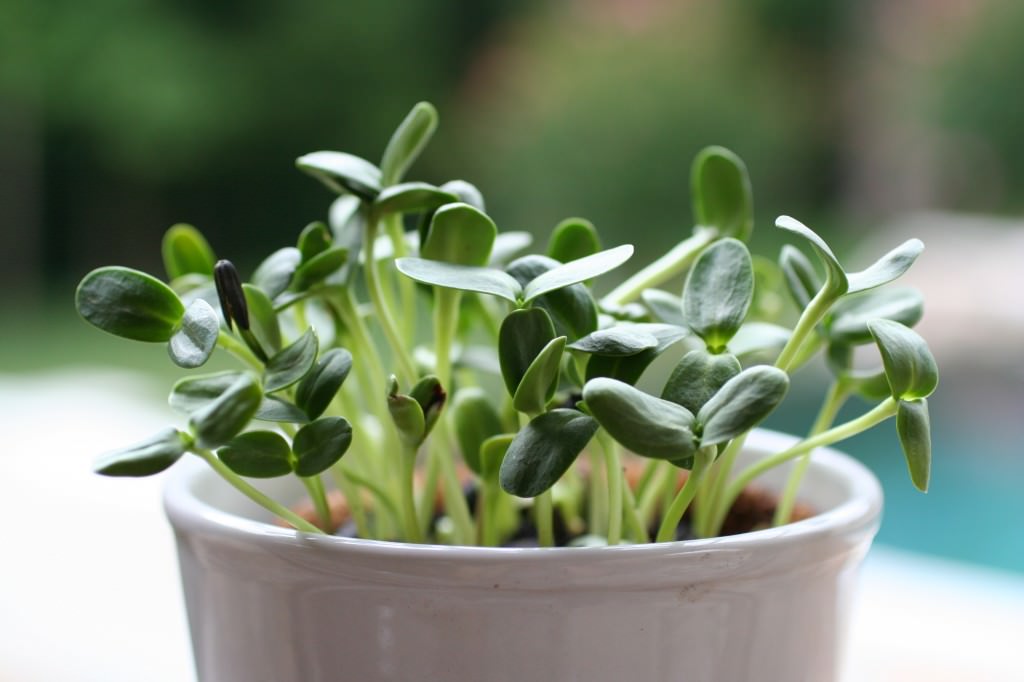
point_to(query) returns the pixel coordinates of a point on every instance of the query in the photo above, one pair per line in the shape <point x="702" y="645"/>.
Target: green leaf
<point x="185" y="251"/>
<point x="755" y="338"/>
<point x="196" y="338"/>
<point x="836" y="283"/>
<point x="539" y="382"/>
<point x="148" y="457"/>
<point x="431" y="396"/>
<point x="343" y="173"/>
<point x="718" y="292"/>
<point x="291" y="363"/>
<point x="129" y="303"/>
<point x="275" y="273"/>
<point x="577" y="271"/>
<point x="914" y="429"/>
<point x="848" y="320"/>
<point x="801" y="279"/>
<point x="466" y="192"/>
<point x="870" y="385"/>
<point x="274" y="409"/>
<point x="191" y="393"/>
<point x="257" y="454"/>
<point x="318" y="268"/>
<point x="318" y="388"/>
<point x="262" y="318"/>
<point x="572" y="239"/>
<point x="411" y="197"/>
<point x="462" y="277"/>
<point x="722" y="197"/>
<point x="887" y="268"/>
<point x="630" y="368"/>
<point x="492" y="454"/>
<point x="315" y="238"/>
<point x="572" y="308"/>
<point x="664" y="306"/>
<point x="406" y="415"/>
<point x="319" y="444"/>
<point x="523" y="335"/>
<point x="407" y="142"/>
<point x="544" y="450"/>
<point x="698" y="376"/>
<point x="459" y="234"/>
<point x="909" y="364"/>
<point x="742" y="403"/>
<point x="507" y="245"/>
<point x="219" y="420"/>
<point x="615" y="341"/>
<point x="475" y="421"/>
<point x="648" y="426"/>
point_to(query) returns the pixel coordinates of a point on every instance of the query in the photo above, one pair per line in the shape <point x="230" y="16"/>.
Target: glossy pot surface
<point x="268" y="604"/>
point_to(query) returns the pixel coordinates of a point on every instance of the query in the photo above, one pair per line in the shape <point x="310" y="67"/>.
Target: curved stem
<point x="834" y="400"/>
<point x="239" y="350"/>
<point x="543" y="513"/>
<point x="673" y="263"/>
<point x="354" y="501"/>
<point x="315" y="487"/>
<point x="809" y="318"/>
<point x="406" y="369"/>
<point x="410" y="522"/>
<point x="257" y="496"/>
<point x="614" y="477"/>
<point x="674" y="514"/>
<point x="881" y="412"/>
<point x="716" y="494"/>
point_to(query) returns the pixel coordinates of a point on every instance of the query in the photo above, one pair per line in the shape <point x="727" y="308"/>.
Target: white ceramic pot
<point x="266" y="604"/>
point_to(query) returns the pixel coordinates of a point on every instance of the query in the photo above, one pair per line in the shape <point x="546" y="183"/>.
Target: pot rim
<point x="858" y="512"/>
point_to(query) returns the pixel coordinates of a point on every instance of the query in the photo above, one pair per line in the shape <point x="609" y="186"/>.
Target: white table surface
<point x="89" y="584"/>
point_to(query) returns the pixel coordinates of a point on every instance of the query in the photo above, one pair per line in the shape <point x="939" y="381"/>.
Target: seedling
<point x="521" y="369"/>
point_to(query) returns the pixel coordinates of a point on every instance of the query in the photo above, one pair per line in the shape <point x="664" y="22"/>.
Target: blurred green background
<point x="121" y="117"/>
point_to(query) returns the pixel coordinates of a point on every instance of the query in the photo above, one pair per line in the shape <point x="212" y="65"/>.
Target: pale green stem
<point x="428" y="495"/>
<point x="665" y="479"/>
<point x="881" y="412"/>
<point x="315" y="486"/>
<point x="715" y="500"/>
<point x="674" y="514"/>
<point x="634" y="523"/>
<point x="810" y="317"/>
<point x="834" y="400"/>
<point x="454" y="500"/>
<point x="597" y="516"/>
<point x="354" y="501"/>
<point x="673" y="263"/>
<point x="239" y="350"/>
<point x="543" y="516"/>
<point x="613" y="474"/>
<point x="410" y="522"/>
<point x="380" y="494"/>
<point x="406" y="287"/>
<point x="256" y="495"/>
<point x="446" y="311"/>
<point x="406" y="369"/>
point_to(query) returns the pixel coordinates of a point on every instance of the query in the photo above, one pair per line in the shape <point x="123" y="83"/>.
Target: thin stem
<point x="406" y="369"/>
<point x="232" y="345"/>
<point x="410" y="521"/>
<point x="428" y="495"/>
<point x="809" y="318"/>
<point x="673" y="263"/>
<point x="834" y="400"/>
<point x="543" y="516"/>
<point x="613" y="474"/>
<point x="674" y="514"/>
<point x="454" y="500"/>
<point x="635" y="524"/>
<point x="881" y="412"/>
<point x="666" y="477"/>
<point x="354" y="500"/>
<point x="489" y="493"/>
<point x="406" y="287"/>
<point x="446" y="309"/>
<point x="315" y="486"/>
<point x="716" y="497"/>
<point x="255" y="495"/>
<point x="597" y="514"/>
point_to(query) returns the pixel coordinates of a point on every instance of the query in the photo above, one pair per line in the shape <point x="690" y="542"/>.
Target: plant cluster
<point x="538" y="368"/>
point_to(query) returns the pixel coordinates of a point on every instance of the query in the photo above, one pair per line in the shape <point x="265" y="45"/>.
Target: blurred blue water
<point x="974" y="508"/>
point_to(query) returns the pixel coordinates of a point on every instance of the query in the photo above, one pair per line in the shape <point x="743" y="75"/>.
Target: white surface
<point x="89" y="585"/>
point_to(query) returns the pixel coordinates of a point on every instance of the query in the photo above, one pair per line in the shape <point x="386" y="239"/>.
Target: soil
<point x="753" y="510"/>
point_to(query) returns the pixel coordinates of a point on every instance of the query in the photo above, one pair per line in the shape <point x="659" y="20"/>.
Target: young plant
<point x="470" y="429"/>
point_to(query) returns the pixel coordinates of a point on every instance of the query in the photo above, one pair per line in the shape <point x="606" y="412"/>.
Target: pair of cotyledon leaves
<point x="221" y="405"/>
